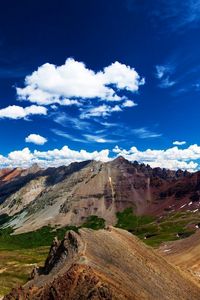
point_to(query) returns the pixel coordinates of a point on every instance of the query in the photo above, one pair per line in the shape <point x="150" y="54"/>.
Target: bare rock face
<point x="104" y="265"/>
<point x="68" y="249"/>
<point x="9" y="174"/>
<point x="80" y="282"/>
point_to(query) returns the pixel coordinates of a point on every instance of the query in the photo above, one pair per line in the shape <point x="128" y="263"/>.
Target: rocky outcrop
<point x="80" y="282"/>
<point x="105" y="264"/>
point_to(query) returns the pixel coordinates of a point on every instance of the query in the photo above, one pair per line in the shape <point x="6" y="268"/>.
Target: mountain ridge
<point x="37" y="197"/>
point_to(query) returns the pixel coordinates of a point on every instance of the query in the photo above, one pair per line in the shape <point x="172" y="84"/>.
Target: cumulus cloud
<point x="36" y="139"/>
<point x="172" y="158"/>
<point x="129" y="103"/>
<point x="20" y="158"/>
<point x="18" y="112"/>
<point x="63" y="84"/>
<point x="57" y="157"/>
<point x="179" y="143"/>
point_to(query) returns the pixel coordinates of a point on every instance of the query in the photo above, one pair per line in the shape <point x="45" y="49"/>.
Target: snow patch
<point x="183" y="205"/>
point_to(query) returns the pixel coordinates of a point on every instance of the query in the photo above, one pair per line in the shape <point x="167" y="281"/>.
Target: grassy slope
<point x="16" y="266"/>
<point x="157" y="230"/>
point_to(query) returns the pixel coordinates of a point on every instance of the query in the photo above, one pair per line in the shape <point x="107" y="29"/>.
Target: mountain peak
<point x="120" y="159"/>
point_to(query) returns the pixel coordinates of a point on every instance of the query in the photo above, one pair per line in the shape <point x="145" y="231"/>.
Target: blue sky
<point x="106" y="77"/>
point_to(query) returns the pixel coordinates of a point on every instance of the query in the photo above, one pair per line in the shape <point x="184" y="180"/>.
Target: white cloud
<point x="66" y="120"/>
<point x="115" y="108"/>
<point x="160" y="71"/>
<point x="108" y="125"/>
<point x="20" y="158"/>
<point x="67" y="136"/>
<point x="179" y="143"/>
<point x="61" y="84"/>
<point x="166" y="83"/>
<point x="18" y="112"/>
<point x="129" y="103"/>
<point x="172" y="158"/>
<point x="57" y="157"/>
<point x="69" y="102"/>
<point x="100" y="111"/>
<point x="36" y="139"/>
<point x="163" y="73"/>
<point x="144" y="133"/>
<point x="98" y="139"/>
<point x="124" y="77"/>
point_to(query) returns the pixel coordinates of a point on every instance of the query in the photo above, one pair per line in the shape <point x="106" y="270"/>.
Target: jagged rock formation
<point x="106" y="264"/>
<point x="68" y="195"/>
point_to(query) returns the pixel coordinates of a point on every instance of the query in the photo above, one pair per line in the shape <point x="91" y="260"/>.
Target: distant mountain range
<point x="36" y="197"/>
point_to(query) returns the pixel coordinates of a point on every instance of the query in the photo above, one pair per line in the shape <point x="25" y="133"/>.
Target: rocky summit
<point x="105" y="264"/>
<point x="36" y="197"/>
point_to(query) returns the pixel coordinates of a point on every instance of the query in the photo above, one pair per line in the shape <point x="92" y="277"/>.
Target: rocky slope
<point x="68" y="195"/>
<point x="184" y="254"/>
<point x="105" y="264"/>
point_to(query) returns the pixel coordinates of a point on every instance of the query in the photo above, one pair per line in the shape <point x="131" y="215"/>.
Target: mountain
<point x="36" y="197"/>
<point x="105" y="264"/>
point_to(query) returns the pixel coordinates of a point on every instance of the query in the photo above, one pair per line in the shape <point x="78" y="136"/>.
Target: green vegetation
<point x="94" y="222"/>
<point x="16" y="266"/>
<point x="155" y="231"/>
<point x="30" y="240"/>
<point x="127" y="220"/>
